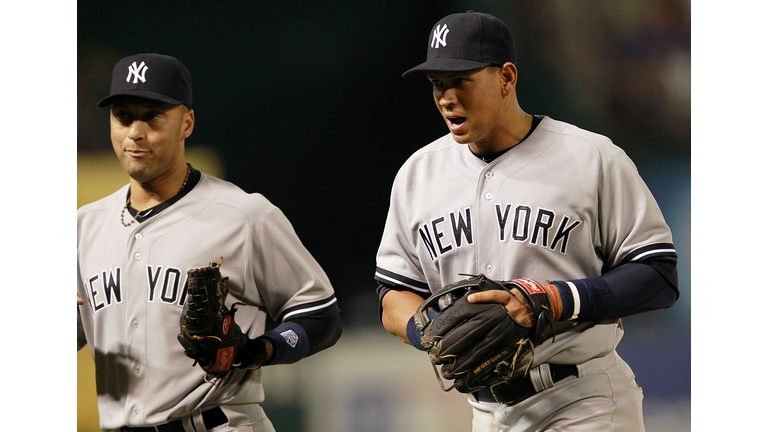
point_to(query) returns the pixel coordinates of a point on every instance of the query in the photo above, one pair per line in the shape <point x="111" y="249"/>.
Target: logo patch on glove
<point x="226" y="324"/>
<point x="531" y="286"/>
<point x="224" y="359"/>
<point x="291" y="337"/>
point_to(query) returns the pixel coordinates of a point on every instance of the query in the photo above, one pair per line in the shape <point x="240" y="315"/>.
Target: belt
<point x="212" y="418"/>
<point x="539" y="379"/>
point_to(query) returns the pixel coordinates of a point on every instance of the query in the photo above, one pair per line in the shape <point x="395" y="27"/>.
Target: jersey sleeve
<point x="632" y="227"/>
<point x="290" y="281"/>
<point x="397" y="262"/>
<point x="81" y="339"/>
<point x="81" y="342"/>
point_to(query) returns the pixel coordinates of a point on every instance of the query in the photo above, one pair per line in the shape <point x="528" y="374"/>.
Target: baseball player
<point x="133" y="251"/>
<point x="512" y="195"/>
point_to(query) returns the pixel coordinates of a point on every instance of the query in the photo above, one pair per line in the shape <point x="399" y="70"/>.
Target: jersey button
<point x="489" y="268"/>
<point x="137" y="369"/>
<point x="135" y="324"/>
<point x="137" y="256"/>
<point x="488" y="175"/>
<point x="139" y="236"/>
<point x="135" y="411"/>
<point x="488" y="195"/>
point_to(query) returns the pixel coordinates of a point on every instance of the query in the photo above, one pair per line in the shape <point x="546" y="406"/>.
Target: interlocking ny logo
<point x="438" y="37"/>
<point x="135" y="70"/>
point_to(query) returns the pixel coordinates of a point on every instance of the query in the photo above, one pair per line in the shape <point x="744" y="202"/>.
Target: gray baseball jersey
<point x="132" y="279"/>
<point x="563" y="204"/>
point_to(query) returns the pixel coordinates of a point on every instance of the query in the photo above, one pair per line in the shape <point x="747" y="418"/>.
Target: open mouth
<point x="455" y="123"/>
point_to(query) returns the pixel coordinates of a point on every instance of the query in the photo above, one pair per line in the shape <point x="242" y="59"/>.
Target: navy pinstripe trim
<point x="399" y="281"/>
<point x="320" y="308"/>
<point x="651" y="251"/>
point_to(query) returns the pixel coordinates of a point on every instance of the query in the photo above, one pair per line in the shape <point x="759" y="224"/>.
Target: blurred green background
<point x="303" y="101"/>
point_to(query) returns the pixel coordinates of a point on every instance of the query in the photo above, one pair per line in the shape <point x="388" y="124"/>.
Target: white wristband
<point x="576" y="300"/>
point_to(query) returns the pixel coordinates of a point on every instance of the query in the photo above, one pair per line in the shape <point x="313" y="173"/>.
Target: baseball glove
<point x="479" y="344"/>
<point x="209" y="333"/>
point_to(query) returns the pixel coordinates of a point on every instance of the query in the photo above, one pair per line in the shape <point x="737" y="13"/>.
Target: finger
<point x="490" y="296"/>
<point x="80" y="301"/>
<point x="515" y="303"/>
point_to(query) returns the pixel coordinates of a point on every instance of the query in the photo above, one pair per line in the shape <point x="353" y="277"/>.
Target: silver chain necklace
<point x="128" y="202"/>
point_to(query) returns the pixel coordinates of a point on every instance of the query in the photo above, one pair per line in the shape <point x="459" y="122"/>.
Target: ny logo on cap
<point x="438" y="37"/>
<point x="134" y="70"/>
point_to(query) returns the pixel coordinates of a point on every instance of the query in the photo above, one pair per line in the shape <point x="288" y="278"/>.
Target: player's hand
<point x="254" y="354"/>
<point x="514" y="303"/>
<point x="80" y="301"/>
<point x="270" y="349"/>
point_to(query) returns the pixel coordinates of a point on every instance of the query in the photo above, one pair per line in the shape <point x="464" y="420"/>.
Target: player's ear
<point x="508" y="77"/>
<point x="188" y="124"/>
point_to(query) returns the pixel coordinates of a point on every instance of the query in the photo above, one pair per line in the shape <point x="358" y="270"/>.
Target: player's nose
<point x="136" y="130"/>
<point x="446" y="98"/>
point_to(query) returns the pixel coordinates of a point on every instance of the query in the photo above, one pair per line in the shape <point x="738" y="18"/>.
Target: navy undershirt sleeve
<point x="295" y="339"/>
<point x="626" y="290"/>
<point x="322" y="332"/>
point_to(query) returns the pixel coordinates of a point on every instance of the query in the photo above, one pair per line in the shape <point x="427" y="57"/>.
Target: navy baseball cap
<point x="466" y="41"/>
<point x="151" y="76"/>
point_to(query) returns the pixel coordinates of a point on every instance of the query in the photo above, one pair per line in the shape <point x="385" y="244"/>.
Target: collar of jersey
<point x="491" y="157"/>
<point x="194" y="177"/>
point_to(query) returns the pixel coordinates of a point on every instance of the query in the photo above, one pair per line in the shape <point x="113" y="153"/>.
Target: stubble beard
<point x="145" y="172"/>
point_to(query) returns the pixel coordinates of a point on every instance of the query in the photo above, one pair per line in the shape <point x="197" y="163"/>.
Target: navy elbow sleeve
<point x="638" y="287"/>
<point x="626" y="290"/>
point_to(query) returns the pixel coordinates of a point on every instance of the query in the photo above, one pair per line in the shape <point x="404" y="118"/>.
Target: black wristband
<point x="290" y="343"/>
<point x="586" y="299"/>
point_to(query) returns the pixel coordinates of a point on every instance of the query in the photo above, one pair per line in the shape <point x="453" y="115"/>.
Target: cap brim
<point x="444" y="64"/>
<point x="142" y="94"/>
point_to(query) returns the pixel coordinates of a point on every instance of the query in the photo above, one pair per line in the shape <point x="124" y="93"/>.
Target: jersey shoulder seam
<point x="443" y="143"/>
<point x="105" y="202"/>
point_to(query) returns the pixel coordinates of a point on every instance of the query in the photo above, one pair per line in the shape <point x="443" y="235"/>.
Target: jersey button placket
<point x="138" y="236"/>
<point x="486" y="211"/>
<point x="137" y="338"/>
